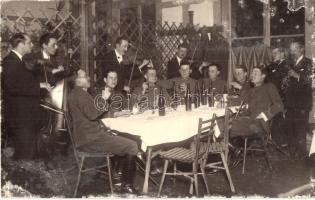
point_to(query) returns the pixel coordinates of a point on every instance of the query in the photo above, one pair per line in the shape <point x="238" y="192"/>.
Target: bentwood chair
<point x="81" y="156"/>
<point x="263" y="139"/>
<point x="196" y="156"/>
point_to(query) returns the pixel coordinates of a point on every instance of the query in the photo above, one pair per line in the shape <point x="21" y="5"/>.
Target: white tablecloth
<point x="174" y="127"/>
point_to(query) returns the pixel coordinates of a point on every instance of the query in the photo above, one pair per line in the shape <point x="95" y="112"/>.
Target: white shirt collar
<point x="178" y="60"/>
<point x="299" y="59"/>
<point x="18" y="54"/>
<point x="45" y="55"/>
<point x="118" y="56"/>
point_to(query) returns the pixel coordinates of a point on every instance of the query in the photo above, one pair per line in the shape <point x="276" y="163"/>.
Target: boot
<point x="128" y="174"/>
<point x="118" y="162"/>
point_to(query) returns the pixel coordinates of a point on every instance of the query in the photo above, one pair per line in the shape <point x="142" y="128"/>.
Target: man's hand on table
<point x="123" y="113"/>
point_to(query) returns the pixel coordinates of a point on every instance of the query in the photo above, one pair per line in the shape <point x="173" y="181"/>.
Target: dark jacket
<point x="276" y="72"/>
<point x="173" y="68"/>
<point x="20" y="91"/>
<point x="43" y="68"/>
<point x="85" y="116"/>
<point x="110" y="62"/>
<point x="115" y="103"/>
<point x="218" y="84"/>
<point x="299" y="92"/>
<point x="146" y="100"/>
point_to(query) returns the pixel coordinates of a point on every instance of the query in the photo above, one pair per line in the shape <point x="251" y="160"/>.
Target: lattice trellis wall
<point x="35" y="25"/>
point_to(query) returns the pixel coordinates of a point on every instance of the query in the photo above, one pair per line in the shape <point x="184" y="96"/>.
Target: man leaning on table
<point x="263" y="102"/>
<point x="92" y="135"/>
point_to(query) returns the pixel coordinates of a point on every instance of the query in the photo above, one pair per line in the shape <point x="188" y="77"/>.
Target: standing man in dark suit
<point x="173" y="66"/>
<point x="298" y="100"/>
<point x="21" y="98"/>
<point x="278" y="69"/>
<point x="276" y="72"/>
<point x="114" y="61"/>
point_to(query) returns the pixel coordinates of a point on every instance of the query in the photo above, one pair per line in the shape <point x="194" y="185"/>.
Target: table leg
<point x="147" y="171"/>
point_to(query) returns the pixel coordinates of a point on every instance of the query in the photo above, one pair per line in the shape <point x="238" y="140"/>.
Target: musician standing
<point x="173" y="66"/>
<point x="298" y="100"/>
<point x="276" y="72"/>
<point x="20" y="98"/>
<point x="113" y="60"/>
<point x="46" y="67"/>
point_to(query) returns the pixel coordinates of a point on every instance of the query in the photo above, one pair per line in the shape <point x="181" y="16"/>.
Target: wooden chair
<point x="80" y="157"/>
<point x="221" y="147"/>
<point x="265" y="140"/>
<point x="263" y="149"/>
<point x="196" y="156"/>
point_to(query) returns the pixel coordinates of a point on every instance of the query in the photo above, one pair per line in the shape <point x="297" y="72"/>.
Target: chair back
<point x="228" y="119"/>
<point x="69" y="124"/>
<point x="205" y="133"/>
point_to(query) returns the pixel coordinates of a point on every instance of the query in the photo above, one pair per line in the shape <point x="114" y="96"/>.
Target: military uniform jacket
<point x="264" y="98"/>
<point x="173" y="68"/>
<point x="147" y="99"/>
<point x="218" y="84"/>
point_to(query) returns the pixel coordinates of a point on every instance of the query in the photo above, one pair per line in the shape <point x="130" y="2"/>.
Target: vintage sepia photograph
<point x="157" y="98"/>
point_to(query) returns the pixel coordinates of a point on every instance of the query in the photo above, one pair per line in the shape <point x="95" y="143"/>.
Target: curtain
<point x="250" y="56"/>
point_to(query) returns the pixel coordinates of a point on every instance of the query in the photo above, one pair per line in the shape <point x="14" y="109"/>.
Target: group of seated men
<point x="269" y="93"/>
<point x="278" y="95"/>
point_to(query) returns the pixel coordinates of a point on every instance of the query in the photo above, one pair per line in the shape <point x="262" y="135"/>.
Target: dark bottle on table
<point x="197" y="96"/>
<point x="211" y="95"/>
<point x="203" y="94"/>
<point x="188" y="98"/>
<point x="161" y="103"/>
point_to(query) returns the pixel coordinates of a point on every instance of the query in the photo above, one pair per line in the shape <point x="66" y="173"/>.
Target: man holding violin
<point x="298" y="100"/>
<point x="116" y="60"/>
<point x="173" y="66"/>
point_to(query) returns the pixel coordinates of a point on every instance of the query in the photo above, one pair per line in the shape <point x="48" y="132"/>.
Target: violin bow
<point x="194" y="52"/>
<point x="133" y="67"/>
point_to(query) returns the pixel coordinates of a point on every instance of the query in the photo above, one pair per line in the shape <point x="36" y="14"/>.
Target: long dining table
<point x="154" y="130"/>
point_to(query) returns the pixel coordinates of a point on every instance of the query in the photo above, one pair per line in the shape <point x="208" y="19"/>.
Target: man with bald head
<point x="91" y="135"/>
